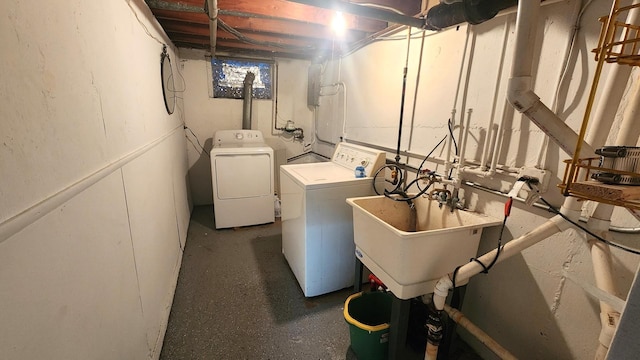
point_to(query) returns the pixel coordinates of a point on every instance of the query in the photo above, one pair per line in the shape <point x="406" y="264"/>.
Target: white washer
<point x="317" y="225"/>
<point x="242" y="179"/>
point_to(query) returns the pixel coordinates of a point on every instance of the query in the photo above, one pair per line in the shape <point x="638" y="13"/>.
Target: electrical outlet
<point x="543" y="176"/>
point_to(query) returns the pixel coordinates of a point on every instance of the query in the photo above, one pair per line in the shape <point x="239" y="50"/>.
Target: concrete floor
<point x="237" y="299"/>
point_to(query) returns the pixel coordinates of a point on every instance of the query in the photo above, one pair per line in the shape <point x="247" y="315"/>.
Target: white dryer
<point x="317" y="225"/>
<point x="242" y="178"/>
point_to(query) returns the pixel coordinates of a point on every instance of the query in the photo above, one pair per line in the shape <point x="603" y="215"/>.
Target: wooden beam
<point x="285" y="41"/>
<point x="291" y="28"/>
<point x="271" y="26"/>
<point x="198" y="18"/>
<point x="288" y="10"/>
<point x="178" y="27"/>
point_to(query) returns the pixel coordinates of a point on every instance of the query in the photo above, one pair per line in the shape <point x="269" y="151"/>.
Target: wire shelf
<point x="619" y="43"/>
<point x="620" y="40"/>
<point x="579" y="184"/>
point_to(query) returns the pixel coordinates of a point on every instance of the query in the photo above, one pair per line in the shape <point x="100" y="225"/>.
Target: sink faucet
<point x="444" y="197"/>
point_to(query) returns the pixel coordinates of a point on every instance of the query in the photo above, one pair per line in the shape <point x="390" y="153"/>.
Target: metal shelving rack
<point x="619" y="43"/>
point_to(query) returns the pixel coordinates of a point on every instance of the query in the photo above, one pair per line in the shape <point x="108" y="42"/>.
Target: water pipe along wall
<point x="527" y="303"/>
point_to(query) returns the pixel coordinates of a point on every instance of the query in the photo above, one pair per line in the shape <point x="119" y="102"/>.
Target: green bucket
<point x="368" y="316"/>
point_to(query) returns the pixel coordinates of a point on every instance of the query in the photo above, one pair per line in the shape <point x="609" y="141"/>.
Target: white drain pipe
<point x="571" y="208"/>
<point x="600" y="221"/>
<point x="523" y="99"/>
<point x="520" y="93"/>
<point x="485" y="339"/>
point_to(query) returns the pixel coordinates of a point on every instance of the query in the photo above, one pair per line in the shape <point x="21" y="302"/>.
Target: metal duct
<point x="248" y="100"/>
<point x="474" y="12"/>
<point x="211" y="8"/>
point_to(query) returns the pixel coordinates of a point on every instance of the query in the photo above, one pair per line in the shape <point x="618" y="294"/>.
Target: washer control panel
<point x="350" y="156"/>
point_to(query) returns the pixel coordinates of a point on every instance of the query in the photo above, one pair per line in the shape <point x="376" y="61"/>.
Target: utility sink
<point x="409" y="251"/>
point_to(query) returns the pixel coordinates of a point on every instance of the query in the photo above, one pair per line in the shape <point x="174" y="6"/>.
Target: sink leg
<point x="398" y="327"/>
<point x="450" y="334"/>
<point x="357" y="279"/>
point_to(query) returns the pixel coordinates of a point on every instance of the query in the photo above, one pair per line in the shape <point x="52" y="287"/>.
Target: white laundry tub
<point x="411" y="262"/>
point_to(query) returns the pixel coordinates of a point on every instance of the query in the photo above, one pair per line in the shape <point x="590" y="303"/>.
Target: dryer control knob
<point x="239" y="136"/>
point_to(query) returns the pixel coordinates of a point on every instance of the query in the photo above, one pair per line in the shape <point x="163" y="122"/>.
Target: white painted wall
<point x="205" y="115"/>
<point x="525" y="303"/>
<point x="93" y="182"/>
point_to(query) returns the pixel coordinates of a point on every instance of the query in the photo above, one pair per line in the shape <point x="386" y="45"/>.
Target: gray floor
<point x="237" y="299"/>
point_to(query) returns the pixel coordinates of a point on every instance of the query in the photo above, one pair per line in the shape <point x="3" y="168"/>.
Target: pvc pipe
<point x="485" y="173"/>
<point x="498" y="145"/>
<point x="482" y="336"/>
<point x="541" y="162"/>
<point x="465" y="88"/>
<point x="463" y="141"/>
<point x="571" y="208"/>
<point x="550" y="227"/>
<point x="601" y="218"/>
<point x="600" y="252"/>
<point x="415" y="92"/>
<point x="16" y="223"/>
<point x="490" y="127"/>
<point x="519" y="90"/>
<point x="607" y="107"/>
<point x="628" y="134"/>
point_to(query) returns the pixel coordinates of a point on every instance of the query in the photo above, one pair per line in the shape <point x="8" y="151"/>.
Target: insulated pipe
<point x="248" y="100"/>
<point x="474" y="12"/>
<point x="484" y="338"/>
<point x="519" y="91"/>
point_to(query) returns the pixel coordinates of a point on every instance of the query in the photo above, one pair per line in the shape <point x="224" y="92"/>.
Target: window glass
<point x="229" y="74"/>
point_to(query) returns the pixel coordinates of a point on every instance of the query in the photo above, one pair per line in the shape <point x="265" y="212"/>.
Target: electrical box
<point x="313" y="90"/>
<point x="543" y="177"/>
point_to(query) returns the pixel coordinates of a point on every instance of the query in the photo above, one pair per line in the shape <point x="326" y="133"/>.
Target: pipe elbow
<point x="609" y="323"/>
<point x="520" y="95"/>
<point x="440" y="292"/>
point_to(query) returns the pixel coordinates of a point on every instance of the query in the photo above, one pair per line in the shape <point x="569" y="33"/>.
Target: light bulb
<point x="338" y="24"/>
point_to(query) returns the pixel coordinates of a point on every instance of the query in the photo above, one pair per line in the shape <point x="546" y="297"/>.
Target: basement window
<point x="229" y="74"/>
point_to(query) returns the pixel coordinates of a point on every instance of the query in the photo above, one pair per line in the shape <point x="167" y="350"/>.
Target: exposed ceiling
<point x="274" y="28"/>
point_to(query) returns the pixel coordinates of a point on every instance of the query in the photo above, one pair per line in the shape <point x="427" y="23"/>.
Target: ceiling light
<point x="338" y="24"/>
